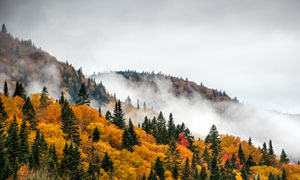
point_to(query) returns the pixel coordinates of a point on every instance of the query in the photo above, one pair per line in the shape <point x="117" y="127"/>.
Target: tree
<point x="203" y="173"/>
<point x="241" y="155"/>
<point x="214" y="139"/>
<point x="29" y="114"/>
<point x="271" y="151"/>
<point x="83" y="96"/>
<point x="133" y="136"/>
<point x="62" y="99"/>
<point x="215" y="174"/>
<point x="206" y="155"/>
<point x="283" y="176"/>
<point x="70" y="164"/>
<point x="172" y="159"/>
<point x="5" y="166"/>
<point x="244" y="174"/>
<point x="159" y="169"/>
<point x="171" y="127"/>
<point x="36" y="152"/>
<point x="108" y="115"/>
<point x="250" y="141"/>
<point x="69" y="125"/>
<point x="283" y="157"/>
<point x="118" y="117"/>
<point x="265" y="159"/>
<point x="186" y="174"/>
<point x="91" y="171"/>
<point x="96" y="135"/>
<point x="4" y="30"/>
<point x="19" y="90"/>
<point x="129" y="137"/>
<point x="5" y="90"/>
<point x="44" y="98"/>
<point x="24" y="147"/>
<point x="249" y="163"/>
<point x="3" y="116"/>
<point x="107" y="164"/>
<point x="152" y="175"/>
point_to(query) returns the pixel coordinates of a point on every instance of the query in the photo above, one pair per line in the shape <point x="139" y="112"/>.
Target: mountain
<point x="21" y="60"/>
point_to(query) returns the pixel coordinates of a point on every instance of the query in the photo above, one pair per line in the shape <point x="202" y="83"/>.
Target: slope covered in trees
<point x="44" y="138"/>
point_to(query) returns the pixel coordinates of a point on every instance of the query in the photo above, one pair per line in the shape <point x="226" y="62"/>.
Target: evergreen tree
<point x="271" y="151"/>
<point x="203" y="173"/>
<point x="99" y="110"/>
<point x="68" y="124"/>
<point x="19" y="90"/>
<point x="159" y="169"/>
<point x="53" y="161"/>
<point x="108" y="116"/>
<point x="44" y="98"/>
<point x="83" y="96"/>
<point x="24" y="147"/>
<point x="39" y="151"/>
<point x="5" y="166"/>
<point x="283" y="176"/>
<point x="152" y="175"/>
<point x="206" y="156"/>
<point x="194" y="165"/>
<point x="133" y="136"/>
<point x="96" y="135"/>
<point x="91" y="171"/>
<point x="62" y="99"/>
<point x="215" y="174"/>
<point x="233" y="162"/>
<point x="107" y="164"/>
<point x="249" y="163"/>
<point x="29" y="114"/>
<point x="244" y="174"/>
<point x="228" y="171"/>
<point x="5" y="90"/>
<point x="118" y="118"/>
<point x="146" y="125"/>
<point x="4" y="30"/>
<point x="3" y="117"/>
<point x="214" y="139"/>
<point x="265" y="159"/>
<point x="171" y="127"/>
<point x="186" y="174"/>
<point x="283" y="157"/>
<point x="250" y="141"/>
<point x="241" y="155"/>
<point x="172" y="159"/>
<point x="144" y="177"/>
<point x="175" y="172"/>
<point x="71" y="162"/>
<point x="129" y="137"/>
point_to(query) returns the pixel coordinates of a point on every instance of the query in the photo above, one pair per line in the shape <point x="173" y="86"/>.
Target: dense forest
<point x="46" y="138"/>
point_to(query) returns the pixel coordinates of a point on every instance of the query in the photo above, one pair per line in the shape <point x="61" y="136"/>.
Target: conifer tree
<point x="3" y="117"/>
<point x="19" y="90"/>
<point x="70" y="164"/>
<point x="214" y="169"/>
<point x="146" y="125"/>
<point x="175" y="172"/>
<point x="249" y="163"/>
<point x="44" y="98"/>
<point x="4" y="30"/>
<point x="241" y="155"/>
<point x="250" y="141"/>
<point x="271" y="151"/>
<point x="99" y="110"/>
<point x="265" y="159"/>
<point x="144" y="177"/>
<point x="91" y="171"/>
<point x="62" y="98"/>
<point x="24" y="147"/>
<point x="129" y="137"/>
<point x="108" y="116"/>
<point x="233" y="162"/>
<point x="107" y="164"/>
<point x="172" y="159"/>
<point x="118" y="117"/>
<point x="203" y="173"/>
<point x="283" y="176"/>
<point x="171" y="127"/>
<point x="206" y="156"/>
<point x="228" y="171"/>
<point x="283" y="157"/>
<point x="186" y="174"/>
<point x="159" y="169"/>
<point x="5" y="90"/>
<point x="152" y="175"/>
<point x="83" y="96"/>
<point x="69" y="125"/>
<point x="5" y="166"/>
<point x="29" y="114"/>
<point x="133" y="136"/>
<point x="214" y="139"/>
<point x="244" y="174"/>
<point x="194" y="165"/>
<point x="96" y="135"/>
<point x="53" y="161"/>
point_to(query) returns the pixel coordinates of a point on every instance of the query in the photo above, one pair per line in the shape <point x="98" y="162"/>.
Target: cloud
<point x="199" y="114"/>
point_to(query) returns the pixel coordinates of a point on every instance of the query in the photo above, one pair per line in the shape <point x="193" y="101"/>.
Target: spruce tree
<point x="203" y="173"/>
<point x="129" y="137"/>
<point x="5" y="166"/>
<point x="44" y="98"/>
<point x="70" y="164"/>
<point x="96" y="135"/>
<point x="118" y="117"/>
<point x="29" y="114"/>
<point x="186" y="173"/>
<point x="24" y="147"/>
<point x="206" y="156"/>
<point x="283" y="176"/>
<point x="171" y="127"/>
<point x="214" y="139"/>
<point x="244" y="174"/>
<point x="283" y="157"/>
<point x="271" y="151"/>
<point x="69" y="125"/>
<point x="19" y="90"/>
<point x="99" y="110"/>
<point x="172" y="159"/>
<point x="108" y="116"/>
<point x="241" y="155"/>
<point x="194" y="165"/>
<point x="107" y="164"/>
<point x="265" y="159"/>
<point x="62" y="98"/>
<point x="159" y="169"/>
<point x="5" y="90"/>
<point x="91" y="171"/>
<point x="175" y="172"/>
<point x="152" y="175"/>
<point x="250" y="141"/>
<point x="3" y="117"/>
<point x="249" y="163"/>
<point x="214" y="169"/>
<point x="133" y="136"/>
<point x="83" y="96"/>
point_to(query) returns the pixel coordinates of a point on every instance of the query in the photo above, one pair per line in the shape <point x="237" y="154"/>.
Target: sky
<point x="249" y="48"/>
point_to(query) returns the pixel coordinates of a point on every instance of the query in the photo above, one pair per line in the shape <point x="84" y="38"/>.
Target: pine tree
<point x="271" y="151"/>
<point x="44" y="98"/>
<point x="265" y="159"/>
<point x="53" y="161"/>
<point x="68" y="124"/>
<point x="70" y="164"/>
<point x="244" y="174"/>
<point x="99" y="110"/>
<point x="24" y="147"/>
<point x="133" y="136"/>
<point x="250" y="141"/>
<point x="175" y="172"/>
<point x="206" y="156"/>
<point x="214" y="139"/>
<point x="152" y="175"/>
<point x="159" y="169"/>
<point x="108" y="116"/>
<point x="228" y="171"/>
<point x="83" y="96"/>
<point x="19" y="90"/>
<point x="215" y="174"/>
<point x="129" y="137"/>
<point x="118" y="118"/>
<point x="39" y="151"/>
<point x="107" y="164"/>
<point x="249" y="163"/>
<point x="283" y="176"/>
<point x="4" y="30"/>
<point x="5" y="166"/>
<point x="283" y="157"/>
<point x="29" y="114"/>
<point x="233" y="162"/>
<point x="186" y="174"/>
<point x="96" y="135"/>
<point x="203" y="173"/>
<point x="172" y="159"/>
<point x="171" y="127"/>
<point x="194" y="165"/>
<point x="241" y="155"/>
<point x="5" y="90"/>
<point x="91" y="171"/>
<point x="62" y="99"/>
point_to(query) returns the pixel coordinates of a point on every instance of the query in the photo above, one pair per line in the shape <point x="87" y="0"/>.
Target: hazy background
<point x="249" y="48"/>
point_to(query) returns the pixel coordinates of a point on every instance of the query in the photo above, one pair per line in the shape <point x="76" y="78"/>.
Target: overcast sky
<point x="250" y="48"/>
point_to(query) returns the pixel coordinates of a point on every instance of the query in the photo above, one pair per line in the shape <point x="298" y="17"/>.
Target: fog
<point x="200" y="114"/>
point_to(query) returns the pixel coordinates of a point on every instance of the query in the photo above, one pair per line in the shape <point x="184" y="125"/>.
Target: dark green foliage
<point x="265" y="159"/>
<point x="250" y="141"/>
<point x="214" y="169"/>
<point x="214" y="139"/>
<point x="194" y="165"/>
<point x="175" y="172"/>
<point x="29" y="114"/>
<point x="233" y="162"/>
<point x="159" y="169"/>
<point x="241" y="155"/>
<point x="5" y="89"/>
<point x="283" y="176"/>
<point x="71" y="162"/>
<point x="171" y="126"/>
<point x="203" y="173"/>
<point x="118" y="117"/>
<point x="186" y="173"/>
<point x="39" y="150"/>
<point x="108" y="116"/>
<point x="19" y="90"/>
<point x="96" y="135"/>
<point x="152" y="175"/>
<point x="3" y="117"/>
<point x="53" y="161"/>
<point x="172" y="159"/>
<point x="244" y="174"/>
<point x="99" y="110"/>
<point x="271" y="151"/>
<point x="91" y="171"/>
<point x="5" y="166"/>
<point x="62" y="99"/>
<point x="69" y="125"/>
<point x="24" y="147"/>
<point x="83" y="96"/>
<point x="4" y="30"/>
<point x="283" y="157"/>
<point x="129" y="137"/>
<point x="107" y="164"/>
<point x="146" y="125"/>
<point x="206" y="156"/>
<point x="249" y="163"/>
<point x="44" y="98"/>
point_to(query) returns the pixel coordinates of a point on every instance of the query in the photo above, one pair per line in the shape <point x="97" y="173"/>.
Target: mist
<point x="200" y="114"/>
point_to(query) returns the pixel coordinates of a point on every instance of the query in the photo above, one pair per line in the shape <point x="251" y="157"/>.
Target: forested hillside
<point x="44" y="138"/>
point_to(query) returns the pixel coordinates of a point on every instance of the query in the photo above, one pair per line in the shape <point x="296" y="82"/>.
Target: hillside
<point x="21" y="61"/>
